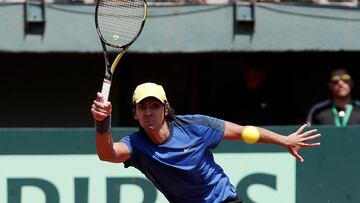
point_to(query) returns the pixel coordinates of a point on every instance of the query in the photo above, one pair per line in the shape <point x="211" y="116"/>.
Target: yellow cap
<point x="149" y="90"/>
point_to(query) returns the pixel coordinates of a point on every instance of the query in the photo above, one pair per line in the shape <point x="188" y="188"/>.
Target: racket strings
<point x="120" y="21"/>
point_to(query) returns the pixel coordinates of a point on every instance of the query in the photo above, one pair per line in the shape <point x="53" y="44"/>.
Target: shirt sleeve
<point x="127" y="140"/>
<point x="212" y="130"/>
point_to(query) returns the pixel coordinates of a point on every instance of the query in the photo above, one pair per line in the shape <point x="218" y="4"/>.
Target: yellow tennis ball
<point x="250" y="134"/>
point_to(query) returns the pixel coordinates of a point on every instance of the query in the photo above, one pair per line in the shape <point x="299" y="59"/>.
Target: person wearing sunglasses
<point x="341" y="110"/>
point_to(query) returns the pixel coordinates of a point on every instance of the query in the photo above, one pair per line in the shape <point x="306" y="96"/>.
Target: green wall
<point x="191" y="29"/>
<point x="33" y="157"/>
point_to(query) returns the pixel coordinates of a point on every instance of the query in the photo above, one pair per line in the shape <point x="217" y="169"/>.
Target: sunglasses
<point x="344" y="77"/>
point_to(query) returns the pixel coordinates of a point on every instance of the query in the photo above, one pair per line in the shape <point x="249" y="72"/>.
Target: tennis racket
<point x="118" y="24"/>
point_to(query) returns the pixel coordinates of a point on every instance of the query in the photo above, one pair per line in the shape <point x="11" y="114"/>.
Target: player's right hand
<point x="100" y="109"/>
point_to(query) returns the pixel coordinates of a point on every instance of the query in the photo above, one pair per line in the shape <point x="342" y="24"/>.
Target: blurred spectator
<point x="340" y="110"/>
<point x="196" y="1"/>
<point x="257" y="98"/>
<point x="216" y="1"/>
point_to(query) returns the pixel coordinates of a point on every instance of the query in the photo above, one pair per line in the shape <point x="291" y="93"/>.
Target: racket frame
<point x="109" y="70"/>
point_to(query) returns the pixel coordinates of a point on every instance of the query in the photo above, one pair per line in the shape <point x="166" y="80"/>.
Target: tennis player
<point x="174" y="151"/>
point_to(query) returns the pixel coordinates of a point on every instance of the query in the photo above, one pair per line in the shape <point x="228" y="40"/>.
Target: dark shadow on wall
<point x="57" y="90"/>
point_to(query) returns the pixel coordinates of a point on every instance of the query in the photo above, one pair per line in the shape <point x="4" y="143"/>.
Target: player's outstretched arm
<point x="251" y="134"/>
<point x="299" y="139"/>
<point x="106" y="149"/>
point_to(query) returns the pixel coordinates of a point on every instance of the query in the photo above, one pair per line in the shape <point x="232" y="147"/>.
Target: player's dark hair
<point x="170" y="112"/>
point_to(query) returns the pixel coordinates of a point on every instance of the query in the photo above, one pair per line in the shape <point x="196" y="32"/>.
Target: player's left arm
<point x="293" y="142"/>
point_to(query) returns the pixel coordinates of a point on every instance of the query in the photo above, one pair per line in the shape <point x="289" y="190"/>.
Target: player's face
<point x="150" y="113"/>
<point x="340" y="83"/>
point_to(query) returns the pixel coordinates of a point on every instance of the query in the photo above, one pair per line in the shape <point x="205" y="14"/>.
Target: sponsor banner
<point x="260" y="177"/>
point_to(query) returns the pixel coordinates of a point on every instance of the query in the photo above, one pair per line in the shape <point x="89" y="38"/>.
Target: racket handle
<point x="106" y="89"/>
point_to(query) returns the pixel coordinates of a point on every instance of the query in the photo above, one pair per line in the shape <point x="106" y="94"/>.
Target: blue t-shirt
<point x="183" y="168"/>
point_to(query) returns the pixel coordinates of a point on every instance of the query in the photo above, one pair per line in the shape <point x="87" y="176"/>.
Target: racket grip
<point x="106" y="89"/>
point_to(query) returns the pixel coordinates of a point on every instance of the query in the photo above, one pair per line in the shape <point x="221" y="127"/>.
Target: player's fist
<point x="100" y="109"/>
